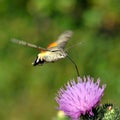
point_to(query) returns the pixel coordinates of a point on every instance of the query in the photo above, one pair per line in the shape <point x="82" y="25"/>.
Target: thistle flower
<point x="80" y="98"/>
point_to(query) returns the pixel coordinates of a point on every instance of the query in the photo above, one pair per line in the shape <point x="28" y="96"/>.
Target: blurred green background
<point x="27" y="92"/>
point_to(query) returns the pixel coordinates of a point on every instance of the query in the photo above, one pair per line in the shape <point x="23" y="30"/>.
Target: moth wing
<point x="64" y="38"/>
<point x="27" y="44"/>
<point x="61" y="42"/>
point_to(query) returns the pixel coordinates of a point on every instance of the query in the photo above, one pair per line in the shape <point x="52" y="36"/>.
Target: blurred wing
<point x="27" y="44"/>
<point x="62" y="41"/>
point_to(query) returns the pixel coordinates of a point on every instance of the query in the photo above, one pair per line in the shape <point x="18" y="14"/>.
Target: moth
<point x="54" y="52"/>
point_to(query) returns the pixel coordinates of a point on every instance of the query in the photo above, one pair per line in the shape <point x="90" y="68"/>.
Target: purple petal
<point x="80" y="98"/>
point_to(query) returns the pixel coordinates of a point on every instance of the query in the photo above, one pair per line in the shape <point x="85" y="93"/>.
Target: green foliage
<point x="111" y="112"/>
<point x="28" y="92"/>
<point x="104" y="112"/>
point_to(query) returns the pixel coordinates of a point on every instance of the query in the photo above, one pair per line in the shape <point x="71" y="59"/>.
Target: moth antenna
<point x="76" y="67"/>
<point x="27" y="44"/>
<point x="73" y="46"/>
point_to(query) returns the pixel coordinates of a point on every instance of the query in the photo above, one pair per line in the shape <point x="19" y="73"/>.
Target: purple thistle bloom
<point x="80" y="98"/>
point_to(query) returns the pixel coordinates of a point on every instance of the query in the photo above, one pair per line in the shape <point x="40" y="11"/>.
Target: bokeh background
<point x="27" y="92"/>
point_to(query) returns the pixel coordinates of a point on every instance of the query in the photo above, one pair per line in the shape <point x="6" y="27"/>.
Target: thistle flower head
<point x="80" y="98"/>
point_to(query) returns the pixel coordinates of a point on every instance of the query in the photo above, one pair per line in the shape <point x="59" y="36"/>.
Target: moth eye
<point x="60" y="54"/>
